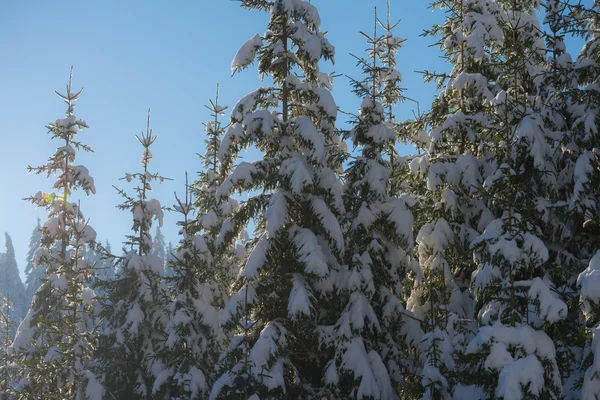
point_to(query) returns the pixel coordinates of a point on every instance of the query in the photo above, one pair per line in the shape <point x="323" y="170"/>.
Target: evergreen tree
<point x="446" y="177"/>
<point x="100" y="255"/>
<point x="134" y="320"/>
<point x="159" y="249"/>
<point x="368" y="349"/>
<point x="7" y="367"/>
<point x="511" y="355"/>
<point x="194" y="335"/>
<point x="104" y="266"/>
<point x="295" y="201"/>
<point x="568" y="250"/>
<point x="55" y="343"/>
<point x="169" y="251"/>
<point x="202" y="276"/>
<point x="589" y="290"/>
<point x="213" y="212"/>
<point x="582" y="152"/>
<point x="11" y="286"/>
<point x="33" y="275"/>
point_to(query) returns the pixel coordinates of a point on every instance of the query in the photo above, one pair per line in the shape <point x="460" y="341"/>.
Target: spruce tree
<point x="212" y="212"/>
<point x="295" y="201"/>
<point x="33" y="275"/>
<point x="103" y="260"/>
<point x="7" y="367"/>
<point x="134" y="320"/>
<point x="202" y="276"/>
<point x="568" y="250"/>
<point x="194" y="337"/>
<point x="55" y="343"/>
<point x="453" y="136"/>
<point x="583" y="153"/>
<point x="511" y="356"/>
<point x="366" y="341"/>
<point x="583" y="150"/>
<point x="589" y="291"/>
<point x="169" y="251"/>
<point x="11" y="286"/>
<point x="159" y="248"/>
<point x="104" y="266"/>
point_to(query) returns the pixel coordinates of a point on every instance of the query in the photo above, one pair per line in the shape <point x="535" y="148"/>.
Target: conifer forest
<point x="332" y="265"/>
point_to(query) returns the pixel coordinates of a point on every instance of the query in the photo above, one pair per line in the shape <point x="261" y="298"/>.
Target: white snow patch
<point x="310" y="252"/>
<point x="299" y="299"/>
<point x="245" y="55"/>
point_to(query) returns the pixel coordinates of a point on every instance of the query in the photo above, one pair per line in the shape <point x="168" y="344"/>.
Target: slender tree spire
<point x="133" y="316"/>
<point x="367" y="336"/>
<point x="55" y="344"/>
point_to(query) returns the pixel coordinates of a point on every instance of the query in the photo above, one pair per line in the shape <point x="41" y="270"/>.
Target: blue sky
<point x="169" y="56"/>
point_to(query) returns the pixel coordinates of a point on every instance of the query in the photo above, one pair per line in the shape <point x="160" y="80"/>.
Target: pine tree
<point x="104" y="266"/>
<point x="557" y="90"/>
<point x="513" y="356"/>
<point x="589" y="290"/>
<point x="158" y="247"/>
<point x="169" y="251"/>
<point x="295" y="202"/>
<point x="582" y="152"/>
<point x="55" y="343"/>
<point x="7" y="366"/>
<point x="453" y="136"/>
<point x="213" y="212"/>
<point x="101" y="257"/>
<point x="33" y="275"/>
<point x="11" y="286"/>
<point x="194" y="335"/>
<point x="202" y="277"/>
<point x="366" y="340"/>
<point x="134" y="321"/>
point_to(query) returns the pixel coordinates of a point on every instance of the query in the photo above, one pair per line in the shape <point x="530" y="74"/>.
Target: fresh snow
<point x="299" y="301"/>
<point x="245" y="55"/>
<point x="299" y="173"/>
<point x="589" y="283"/>
<point x="256" y="259"/>
<point x="514" y="372"/>
<point x="242" y="175"/>
<point x="310" y="252"/>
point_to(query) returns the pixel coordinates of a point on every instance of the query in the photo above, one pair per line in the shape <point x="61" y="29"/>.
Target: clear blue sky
<point x="169" y="56"/>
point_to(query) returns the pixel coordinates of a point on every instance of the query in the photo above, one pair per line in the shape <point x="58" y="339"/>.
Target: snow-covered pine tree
<point x="567" y="254"/>
<point x="159" y="249"/>
<point x="134" y="320"/>
<point x="11" y="286"/>
<point x="584" y="148"/>
<point x="33" y="274"/>
<point x="202" y="276"/>
<point x="213" y="212"/>
<point x="589" y="291"/>
<point x="169" y="251"/>
<point x="366" y="340"/>
<point x="583" y="152"/>
<point x="511" y="356"/>
<point x="295" y="202"/>
<point x="54" y="344"/>
<point x="446" y="176"/>
<point x="7" y="367"/>
<point x="104" y="267"/>
<point x="194" y="335"/>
